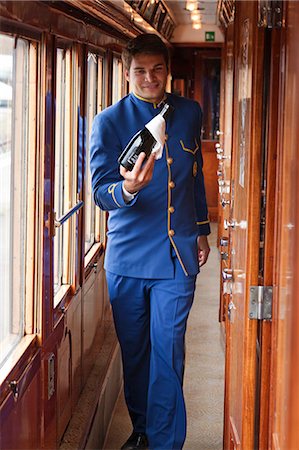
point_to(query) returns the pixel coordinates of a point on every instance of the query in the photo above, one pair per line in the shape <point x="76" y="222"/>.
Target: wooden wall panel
<point x="64" y="386"/>
<point x="245" y="218"/>
<point x="74" y="320"/>
<point x="92" y="317"/>
<point x="210" y="175"/>
<point x="20" y="417"/>
<point x="284" y="398"/>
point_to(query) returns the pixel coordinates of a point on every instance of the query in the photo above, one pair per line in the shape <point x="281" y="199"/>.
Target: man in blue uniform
<point x="157" y="240"/>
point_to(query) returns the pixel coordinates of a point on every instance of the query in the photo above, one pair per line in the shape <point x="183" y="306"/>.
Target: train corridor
<point x="204" y="374"/>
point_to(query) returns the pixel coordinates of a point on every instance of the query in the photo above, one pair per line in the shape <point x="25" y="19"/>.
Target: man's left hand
<point x="203" y="249"/>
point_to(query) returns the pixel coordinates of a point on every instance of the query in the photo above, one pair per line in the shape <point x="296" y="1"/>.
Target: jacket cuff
<point x="204" y="228"/>
<point x="116" y="191"/>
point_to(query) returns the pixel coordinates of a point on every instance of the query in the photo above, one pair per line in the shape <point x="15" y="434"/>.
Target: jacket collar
<point x="140" y="100"/>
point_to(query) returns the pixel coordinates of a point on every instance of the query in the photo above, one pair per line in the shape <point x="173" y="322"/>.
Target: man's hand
<point x="140" y="176"/>
<point x="203" y="249"/>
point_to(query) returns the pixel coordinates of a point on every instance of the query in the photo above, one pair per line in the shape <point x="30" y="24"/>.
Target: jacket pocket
<point x="190" y="146"/>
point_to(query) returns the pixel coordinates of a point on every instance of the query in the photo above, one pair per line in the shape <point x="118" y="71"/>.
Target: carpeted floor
<point x="204" y="373"/>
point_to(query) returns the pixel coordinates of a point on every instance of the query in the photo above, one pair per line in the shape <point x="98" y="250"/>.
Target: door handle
<point x="228" y="224"/>
<point x="224" y="202"/>
<point x="224" y="241"/>
<point x="234" y="224"/>
<point x="227" y="274"/>
<point x="220" y="156"/>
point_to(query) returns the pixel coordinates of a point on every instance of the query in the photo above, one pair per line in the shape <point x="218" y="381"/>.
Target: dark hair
<point x="146" y="43"/>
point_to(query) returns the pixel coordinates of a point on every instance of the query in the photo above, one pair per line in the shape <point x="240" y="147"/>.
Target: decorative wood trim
<point x="158" y="16"/>
<point x="226" y="12"/>
<point x="64" y="20"/>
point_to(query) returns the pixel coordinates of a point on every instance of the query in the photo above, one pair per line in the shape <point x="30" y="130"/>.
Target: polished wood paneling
<point x="74" y="322"/>
<point x="210" y="176"/>
<point x="81" y="24"/>
<point x="266" y="275"/>
<point x="20" y="416"/>
<point x="284" y="398"/>
<point x="70" y="335"/>
<point x="92" y="317"/>
<point x="49" y="403"/>
<point x="69" y="365"/>
<point x="64" y="388"/>
<point x="245" y="198"/>
<point x="224" y="174"/>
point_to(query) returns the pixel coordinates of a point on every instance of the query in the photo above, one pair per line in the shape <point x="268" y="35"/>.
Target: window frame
<point x="70" y="246"/>
<point x="121" y="85"/>
<point x="18" y="357"/>
<point x="96" y="250"/>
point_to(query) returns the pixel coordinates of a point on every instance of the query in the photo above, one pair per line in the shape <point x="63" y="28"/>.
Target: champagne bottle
<point x="143" y="140"/>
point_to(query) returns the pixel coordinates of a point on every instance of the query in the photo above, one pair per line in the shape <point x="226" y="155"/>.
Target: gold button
<point x="171" y="184"/>
<point x="194" y="170"/>
<point x="169" y="161"/>
<point x="171" y="232"/>
<point x="171" y="209"/>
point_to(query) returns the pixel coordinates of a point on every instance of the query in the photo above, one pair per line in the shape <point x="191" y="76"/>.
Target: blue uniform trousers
<point x="150" y="318"/>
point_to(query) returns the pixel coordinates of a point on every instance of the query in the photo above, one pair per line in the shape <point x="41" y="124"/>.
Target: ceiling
<point x="207" y="8"/>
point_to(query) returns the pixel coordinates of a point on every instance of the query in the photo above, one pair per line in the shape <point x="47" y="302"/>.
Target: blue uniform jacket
<point x="169" y="213"/>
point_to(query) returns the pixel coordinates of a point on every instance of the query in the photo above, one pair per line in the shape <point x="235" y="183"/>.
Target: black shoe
<point x="136" y="441"/>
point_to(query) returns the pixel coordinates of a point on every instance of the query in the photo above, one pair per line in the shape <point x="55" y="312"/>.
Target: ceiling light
<point x="195" y="15"/>
<point x="191" y="5"/>
<point x="196" y="25"/>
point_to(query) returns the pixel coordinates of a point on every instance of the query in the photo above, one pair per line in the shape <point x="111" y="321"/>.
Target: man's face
<point x="148" y="76"/>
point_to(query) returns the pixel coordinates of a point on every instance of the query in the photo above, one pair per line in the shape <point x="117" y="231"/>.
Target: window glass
<point x="117" y="79"/>
<point x="211" y="98"/>
<point x="14" y="95"/>
<point x="94" y="105"/>
<point x="95" y="219"/>
<point x="65" y="176"/>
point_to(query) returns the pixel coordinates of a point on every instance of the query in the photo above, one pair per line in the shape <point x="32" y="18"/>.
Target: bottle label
<point x="132" y="159"/>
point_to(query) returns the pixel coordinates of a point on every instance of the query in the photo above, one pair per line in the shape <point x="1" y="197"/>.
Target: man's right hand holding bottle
<point x="140" y="176"/>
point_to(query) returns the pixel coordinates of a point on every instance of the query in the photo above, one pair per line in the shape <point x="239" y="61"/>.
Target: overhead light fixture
<point x="195" y="16"/>
<point x="196" y="25"/>
<point x="191" y="5"/>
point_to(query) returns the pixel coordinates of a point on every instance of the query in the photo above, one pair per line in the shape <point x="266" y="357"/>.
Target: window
<point x="117" y="79"/>
<point x="17" y="166"/>
<point x="211" y="97"/>
<point x="65" y="184"/>
<point x="94" y="218"/>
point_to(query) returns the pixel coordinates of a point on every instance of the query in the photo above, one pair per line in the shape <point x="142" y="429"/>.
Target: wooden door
<point x="244" y="228"/>
<point x="224" y="155"/>
<point x="271" y="69"/>
<point x="284" y="400"/>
